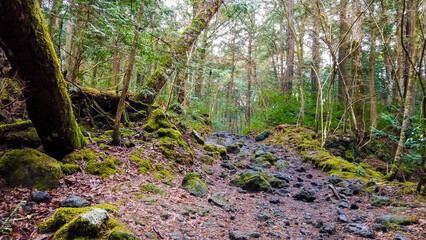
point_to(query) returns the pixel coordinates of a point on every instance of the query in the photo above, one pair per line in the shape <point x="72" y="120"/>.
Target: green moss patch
<point x="85" y="223"/>
<point x="194" y="183"/>
<point x="216" y="148"/>
<point x="69" y="169"/>
<point x="105" y="168"/>
<point x="152" y="188"/>
<point x="30" y="168"/>
<point x="312" y="151"/>
<point x="81" y="155"/>
<point x="257" y="181"/>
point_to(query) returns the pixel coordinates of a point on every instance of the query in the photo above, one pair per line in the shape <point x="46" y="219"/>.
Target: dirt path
<point x="264" y="215"/>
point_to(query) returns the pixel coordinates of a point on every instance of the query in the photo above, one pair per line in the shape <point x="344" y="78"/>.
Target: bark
<point x="357" y="78"/>
<point x="115" y="66"/>
<point x="371" y="79"/>
<point x="281" y="52"/>
<point x="203" y="54"/>
<point x="343" y="52"/>
<point x="288" y="85"/>
<point x="129" y="71"/>
<point x="156" y="81"/>
<point x="249" y="68"/>
<point x="24" y="37"/>
<point x="315" y="57"/>
<point x="230" y="82"/>
<point x="68" y="48"/>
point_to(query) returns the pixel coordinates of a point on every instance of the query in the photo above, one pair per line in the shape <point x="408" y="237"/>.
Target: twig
<point x="158" y="233"/>
<point x="3" y="226"/>
<point x="333" y="189"/>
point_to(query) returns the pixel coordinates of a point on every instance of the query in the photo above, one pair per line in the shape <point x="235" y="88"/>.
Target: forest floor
<point x="179" y="215"/>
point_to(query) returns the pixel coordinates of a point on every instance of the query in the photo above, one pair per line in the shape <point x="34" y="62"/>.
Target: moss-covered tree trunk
<point x="25" y="39"/>
<point x="158" y="78"/>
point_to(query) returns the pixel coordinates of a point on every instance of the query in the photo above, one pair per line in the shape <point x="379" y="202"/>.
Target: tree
<point x="128" y="75"/>
<point x="24" y="37"/>
<point x="156" y="81"/>
<point x="343" y="53"/>
<point x="290" y="48"/>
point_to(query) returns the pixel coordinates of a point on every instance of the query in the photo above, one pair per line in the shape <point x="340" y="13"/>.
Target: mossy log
<point x="28" y="47"/>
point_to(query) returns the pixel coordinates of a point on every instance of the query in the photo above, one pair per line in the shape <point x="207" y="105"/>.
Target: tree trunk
<point x="129" y="70"/>
<point x="249" y="68"/>
<point x="343" y="52"/>
<point x="24" y="37"/>
<point x="371" y="79"/>
<point x="230" y="82"/>
<point x="290" y="49"/>
<point x="68" y="48"/>
<point x="156" y="81"/>
<point x="115" y="66"/>
<point x="357" y="79"/>
<point x="281" y="51"/>
<point x="203" y="54"/>
<point x="315" y="57"/>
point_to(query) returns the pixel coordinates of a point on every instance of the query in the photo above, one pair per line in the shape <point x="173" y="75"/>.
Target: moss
<point x="79" y="155"/>
<point x="348" y="155"/>
<point x="68" y="168"/>
<point x="65" y="215"/>
<point x="166" y="134"/>
<point x="162" y="173"/>
<point x="65" y="220"/>
<point x="337" y="163"/>
<point x="104" y="169"/>
<point x="395" y="221"/>
<point x="241" y="164"/>
<point x="152" y="188"/>
<point x="207" y="159"/>
<point x="113" y="159"/>
<point x="158" y="120"/>
<point x="281" y="165"/>
<point x="30" y="168"/>
<point x="124" y="132"/>
<point x="104" y="146"/>
<point x="194" y="183"/>
<point x="216" y="148"/>
<point x="207" y="169"/>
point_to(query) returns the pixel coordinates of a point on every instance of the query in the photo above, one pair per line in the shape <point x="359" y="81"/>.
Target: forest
<point x="212" y="119"/>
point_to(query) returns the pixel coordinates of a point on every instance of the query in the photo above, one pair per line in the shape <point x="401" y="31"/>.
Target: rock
<point x="284" y="177"/>
<point x="30" y="168"/>
<point x="237" y="235"/>
<point x="305" y="195"/>
<point x="262" y="217"/>
<point x="74" y="202"/>
<point x="198" y="137"/>
<point x="335" y="180"/>
<point x="379" y="201"/>
<point x="194" y="183"/>
<point x="89" y="223"/>
<point x="393" y="221"/>
<point x="39" y="196"/>
<point x="264" y="159"/>
<point x="343" y="204"/>
<point x="400" y="236"/>
<point x="253" y="234"/>
<point x="360" y="230"/>
<point x="274" y="200"/>
<point x="257" y="181"/>
<point x="354" y="206"/>
<point x="216" y="148"/>
<point x="342" y="218"/>
<point x="262" y="136"/>
<point x="219" y="199"/>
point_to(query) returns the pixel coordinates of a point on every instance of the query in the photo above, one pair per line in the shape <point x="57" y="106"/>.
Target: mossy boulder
<point x="257" y="181"/>
<point x="264" y="159"/>
<point x="216" y="148"/>
<point x="103" y="168"/>
<point x="158" y="120"/>
<point x="379" y="201"/>
<point x="395" y="221"/>
<point x="85" y="154"/>
<point x="68" y="168"/>
<point x="30" y="168"/>
<point x="152" y="188"/>
<point x="262" y="136"/>
<point x="86" y="223"/>
<point x="194" y="183"/>
<point x="198" y="137"/>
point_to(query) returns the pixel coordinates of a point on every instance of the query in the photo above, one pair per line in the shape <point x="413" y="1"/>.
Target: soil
<point x="179" y="215"/>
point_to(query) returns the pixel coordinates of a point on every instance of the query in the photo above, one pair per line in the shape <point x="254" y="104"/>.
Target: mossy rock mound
<point x="396" y="221"/>
<point x="103" y="168"/>
<point x="264" y="159"/>
<point x="257" y="181"/>
<point x="312" y="151"/>
<point x="19" y="134"/>
<point x="157" y="120"/>
<point x="30" y="168"/>
<point x="86" y="223"/>
<point x="154" y="189"/>
<point x="194" y="183"/>
<point x="85" y="154"/>
<point x="216" y="148"/>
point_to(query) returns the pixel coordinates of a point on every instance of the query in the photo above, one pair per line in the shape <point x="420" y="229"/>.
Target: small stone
<point x="74" y="202"/>
<point x="262" y="136"/>
<point x="400" y="236"/>
<point x="360" y="230"/>
<point x="274" y="200"/>
<point x="309" y="176"/>
<point x="39" y="196"/>
<point x="237" y="235"/>
<point x="219" y="199"/>
<point x="328" y="228"/>
<point x="343" y="204"/>
<point x="354" y="206"/>
<point x="299" y="179"/>
<point x="165" y="215"/>
<point x="254" y="234"/>
<point x="263" y="217"/>
<point x="305" y="195"/>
